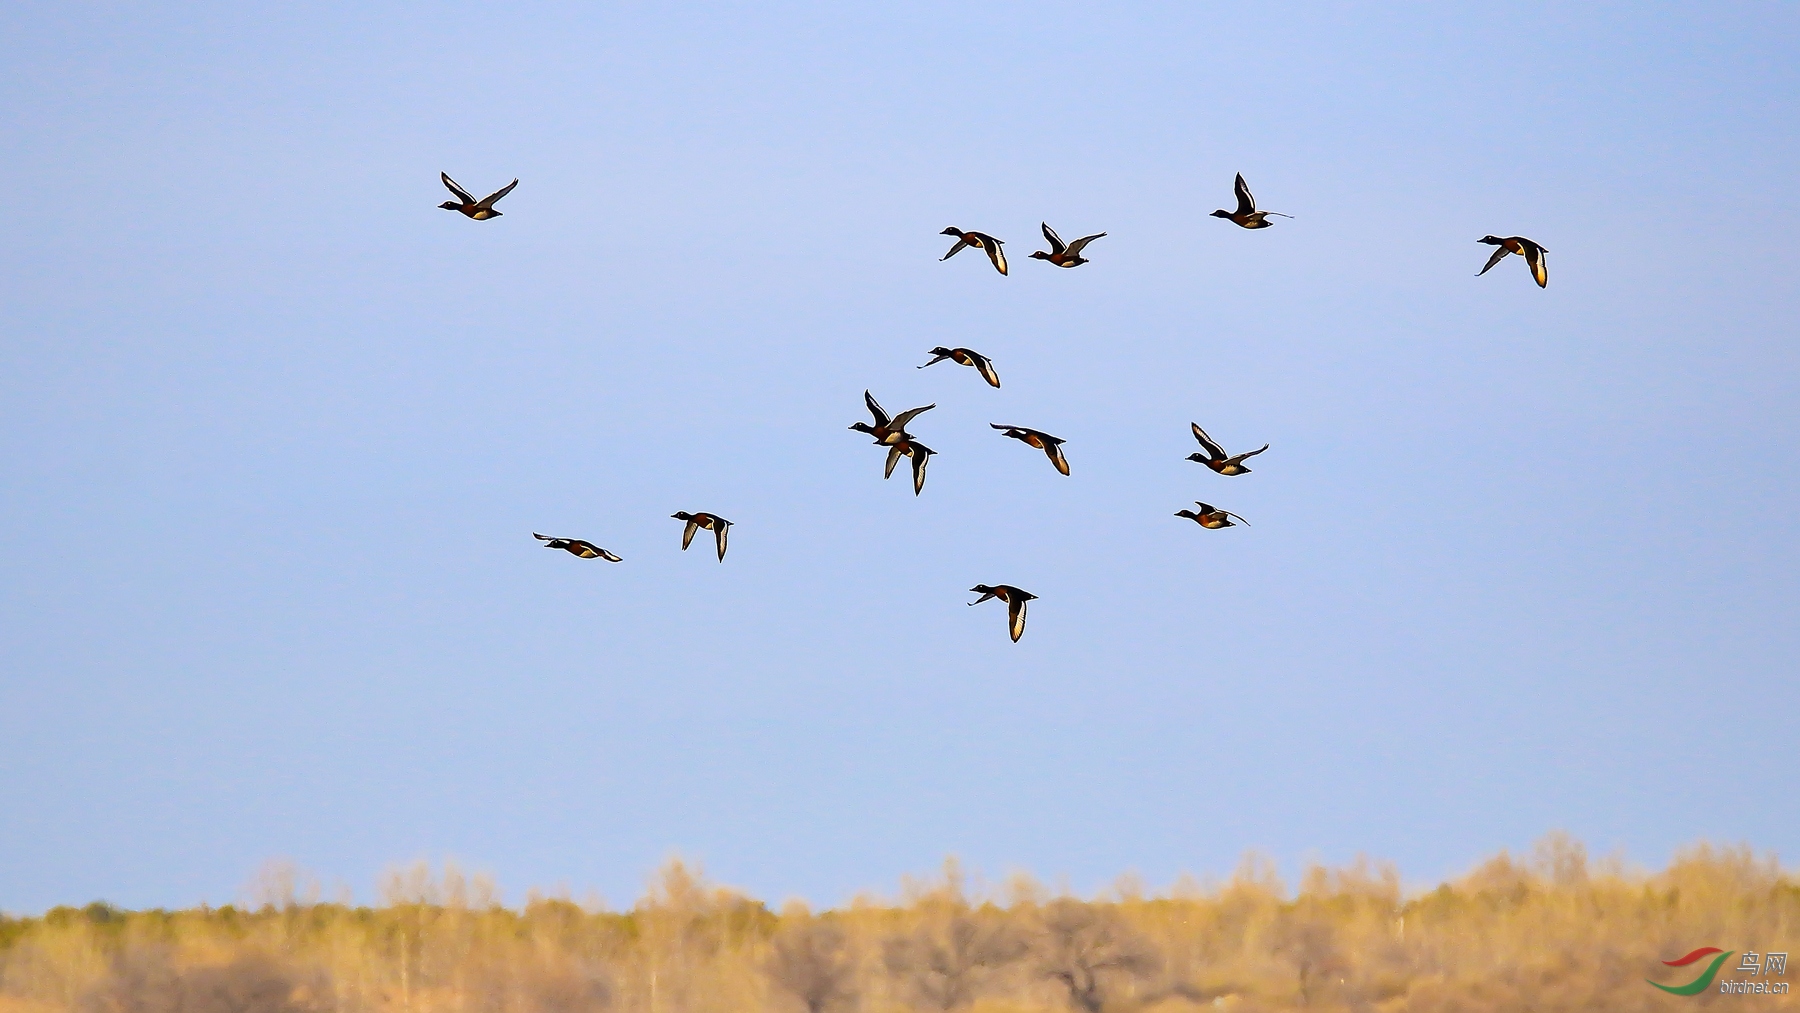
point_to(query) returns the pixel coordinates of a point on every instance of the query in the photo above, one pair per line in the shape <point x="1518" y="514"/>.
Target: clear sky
<point x="276" y="432"/>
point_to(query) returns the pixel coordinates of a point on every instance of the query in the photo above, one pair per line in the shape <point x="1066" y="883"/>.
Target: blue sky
<point x="277" y="432"/>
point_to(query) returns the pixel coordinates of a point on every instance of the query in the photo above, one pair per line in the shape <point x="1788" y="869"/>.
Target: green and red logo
<point x="1705" y="980"/>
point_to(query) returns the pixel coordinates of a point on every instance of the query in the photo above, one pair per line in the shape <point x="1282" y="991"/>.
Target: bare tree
<point x="1310" y="944"/>
<point x="1092" y="952"/>
<point x="146" y="981"/>
<point x="948" y="962"/>
<point x="811" y="962"/>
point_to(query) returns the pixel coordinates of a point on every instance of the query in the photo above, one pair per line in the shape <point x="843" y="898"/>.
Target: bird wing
<point x="934" y="361"/>
<point x="461" y="194"/>
<point x="881" y="417"/>
<point x="893" y="459"/>
<point x="1054" y="452"/>
<point x="1500" y="253"/>
<point x="1246" y="202"/>
<point x="1534" y="259"/>
<point x="1230" y="514"/>
<point x="720" y="529"/>
<point x="985" y="366"/>
<point x="611" y="557"/>
<point x="1056" y="243"/>
<point x="984" y="597"/>
<point x="488" y="201"/>
<point x="1213" y="450"/>
<point x="920" y="456"/>
<point x="1076" y="247"/>
<point x="541" y="538"/>
<point x="1239" y="459"/>
<point x="1008" y="429"/>
<point x="961" y="242"/>
<point x="1015" y="617"/>
<point x="906" y="416"/>
<point x="995" y="254"/>
<point x="687" y="536"/>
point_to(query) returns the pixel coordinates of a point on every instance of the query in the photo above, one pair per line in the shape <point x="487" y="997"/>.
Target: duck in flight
<point x="1015" y="600"/>
<point x="966" y="357"/>
<point x="1210" y="517"/>
<point x="584" y="549"/>
<point x="480" y="210"/>
<point x="979" y="240"/>
<point x="1246" y="213"/>
<point x="1532" y="252"/>
<point x="919" y="453"/>
<point x="1215" y="458"/>
<point x="887" y="431"/>
<point x="712" y="522"/>
<point x="1050" y="445"/>
<point x="1064" y="255"/>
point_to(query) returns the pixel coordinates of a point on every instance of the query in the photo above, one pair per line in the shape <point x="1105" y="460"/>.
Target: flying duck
<point x="1050" y="445"/>
<point x="1062" y="255"/>
<point x="1215" y="458"/>
<point x="967" y="357"/>
<point x="584" y="549"/>
<point x="1532" y="252"/>
<point x="1015" y="600"/>
<point x="979" y="240"/>
<point x="885" y="430"/>
<point x="1210" y="517"/>
<point x="712" y="522"/>
<point x="1246" y="213"/>
<point x="919" y="453"/>
<point x="480" y="210"/>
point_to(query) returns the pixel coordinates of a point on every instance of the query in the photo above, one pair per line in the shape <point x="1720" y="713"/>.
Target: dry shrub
<point x="1551" y="930"/>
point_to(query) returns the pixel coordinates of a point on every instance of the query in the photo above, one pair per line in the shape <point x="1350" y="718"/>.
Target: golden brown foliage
<point x="1550" y="932"/>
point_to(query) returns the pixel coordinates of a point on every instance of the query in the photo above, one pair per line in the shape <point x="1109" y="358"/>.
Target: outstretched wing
<point x="1246" y="202"/>
<point x="1230" y="514"/>
<point x="461" y="194"/>
<point x="985" y="366"/>
<point x="893" y="459"/>
<point x="1499" y="255"/>
<point x="1213" y="450"/>
<point x="1239" y="459"/>
<point x="1054" y="452"/>
<point x="1015" y="618"/>
<point x="961" y="242"/>
<point x="920" y="456"/>
<point x="542" y="538"/>
<point x="995" y="254"/>
<point x="906" y="416"/>
<point x="1056" y="243"/>
<point x="720" y="530"/>
<point x="610" y="557"/>
<point x="984" y="597"/>
<point x="1076" y="247"/>
<point x="1534" y="258"/>
<point x="881" y="417"/>
<point x="687" y="536"/>
<point x="488" y="201"/>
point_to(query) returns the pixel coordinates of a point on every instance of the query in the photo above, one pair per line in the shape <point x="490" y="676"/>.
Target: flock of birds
<point x="889" y="431"/>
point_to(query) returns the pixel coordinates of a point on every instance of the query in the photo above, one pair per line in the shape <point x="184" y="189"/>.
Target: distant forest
<point x="1548" y="931"/>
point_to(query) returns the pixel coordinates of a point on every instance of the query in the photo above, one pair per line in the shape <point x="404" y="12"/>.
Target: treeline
<point x="1549" y="931"/>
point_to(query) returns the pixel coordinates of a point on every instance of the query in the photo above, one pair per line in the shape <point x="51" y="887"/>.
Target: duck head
<point x="1221" y="213"/>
